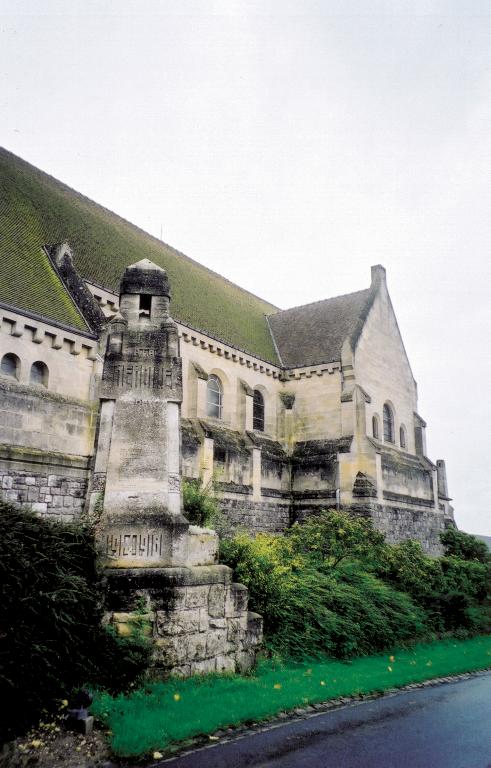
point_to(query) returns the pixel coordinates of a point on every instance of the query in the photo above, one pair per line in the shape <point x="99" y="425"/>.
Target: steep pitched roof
<point x="314" y="333"/>
<point x="38" y="210"/>
<point x="31" y="283"/>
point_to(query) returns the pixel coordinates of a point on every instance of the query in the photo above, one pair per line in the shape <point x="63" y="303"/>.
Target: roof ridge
<point x="138" y="228"/>
<point x="319" y="301"/>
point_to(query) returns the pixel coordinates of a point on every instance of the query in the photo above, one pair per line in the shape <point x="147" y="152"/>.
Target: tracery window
<point x="10" y="365"/>
<point x="375" y="427"/>
<point x="388" y="424"/>
<point x="39" y="373"/>
<point x="258" y="411"/>
<point x="214" y="397"/>
<point x="402" y="436"/>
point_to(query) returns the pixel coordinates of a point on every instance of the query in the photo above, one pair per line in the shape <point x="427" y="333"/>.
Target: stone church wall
<point x="46" y="429"/>
<point x="382" y="369"/>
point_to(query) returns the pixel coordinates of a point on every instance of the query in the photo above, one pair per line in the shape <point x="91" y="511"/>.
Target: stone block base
<point x="197" y="618"/>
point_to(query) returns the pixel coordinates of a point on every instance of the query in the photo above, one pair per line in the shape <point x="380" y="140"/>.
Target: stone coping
<point x="175" y="576"/>
<point x="26" y="455"/>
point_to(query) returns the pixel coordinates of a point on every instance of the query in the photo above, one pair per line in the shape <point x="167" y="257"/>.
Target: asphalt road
<point x="446" y="726"/>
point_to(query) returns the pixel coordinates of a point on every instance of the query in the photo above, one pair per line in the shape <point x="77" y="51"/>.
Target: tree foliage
<point x="51" y="608"/>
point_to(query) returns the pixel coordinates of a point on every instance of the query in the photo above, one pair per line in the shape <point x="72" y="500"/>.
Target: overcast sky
<point x="289" y="145"/>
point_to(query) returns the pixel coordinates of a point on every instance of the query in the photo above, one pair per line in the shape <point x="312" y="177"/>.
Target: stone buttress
<point x="159" y="569"/>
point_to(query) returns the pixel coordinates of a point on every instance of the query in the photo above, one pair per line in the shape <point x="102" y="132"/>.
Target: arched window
<point x="39" y="374"/>
<point x="375" y="427"/>
<point x="258" y="411"/>
<point x="402" y="436"/>
<point x="10" y="365"/>
<point x="388" y="424"/>
<point x="214" y="397"/>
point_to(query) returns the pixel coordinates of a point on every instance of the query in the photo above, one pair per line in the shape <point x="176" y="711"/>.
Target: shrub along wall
<point x="51" y="636"/>
<point x="332" y="585"/>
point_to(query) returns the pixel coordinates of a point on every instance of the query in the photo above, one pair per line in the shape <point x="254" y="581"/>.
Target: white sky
<point x="289" y="145"/>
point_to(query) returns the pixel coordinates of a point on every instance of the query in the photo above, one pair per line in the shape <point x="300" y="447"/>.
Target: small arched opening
<point x="39" y="373"/>
<point x="10" y="365"/>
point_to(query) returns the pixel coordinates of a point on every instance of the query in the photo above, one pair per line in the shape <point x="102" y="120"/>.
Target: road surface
<point x="446" y="726"/>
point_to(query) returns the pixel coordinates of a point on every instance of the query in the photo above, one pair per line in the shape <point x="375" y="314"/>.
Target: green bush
<point x="464" y="546"/>
<point x="200" y="506"/>
<point x="452" y="592"/>
<point x="316" y="601"/>
<point x="51" y="636"/>
<point x="332" y="585"/>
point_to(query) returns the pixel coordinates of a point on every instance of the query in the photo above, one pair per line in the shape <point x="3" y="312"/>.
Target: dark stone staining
<point x="61" y="257"/>
<point x="363" y="486"/>
<point x="306" y="451"/>
<point x="288" y="400"/>
<point x="137" y="359"/>
<point x="403" y="498"/>
<point x="190" y="440"/>
<point x="314" y="494"/>
<point x="232" y="487"/>
<point x="138" y="280"/>
<point x="226" y="439"/>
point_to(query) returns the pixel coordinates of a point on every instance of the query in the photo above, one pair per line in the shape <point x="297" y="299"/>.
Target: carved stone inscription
<point x="135" y="545"/>
<point x="140" y="362"/>
<point x="139" y="375"/>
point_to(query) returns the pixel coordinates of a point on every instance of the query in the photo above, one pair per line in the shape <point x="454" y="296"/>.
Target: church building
<point x="286" y="411"/>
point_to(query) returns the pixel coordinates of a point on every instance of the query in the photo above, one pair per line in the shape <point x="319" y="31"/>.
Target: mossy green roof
<point x="28" y="280"/>
<point x="36" y="210"/>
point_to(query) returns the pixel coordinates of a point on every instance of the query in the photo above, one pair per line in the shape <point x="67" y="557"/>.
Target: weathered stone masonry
<point x="197" y="618"/>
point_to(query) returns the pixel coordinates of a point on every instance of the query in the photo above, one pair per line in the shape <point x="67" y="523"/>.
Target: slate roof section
<point x="37" y="210"/>
<point x="28" y="280"/>
<point x="315" y="333"/>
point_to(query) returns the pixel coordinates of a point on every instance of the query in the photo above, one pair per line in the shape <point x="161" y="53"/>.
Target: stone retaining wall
<point x="197" y="618"/>
<point x="53" y="486"/>
<point x="257" y="516"/>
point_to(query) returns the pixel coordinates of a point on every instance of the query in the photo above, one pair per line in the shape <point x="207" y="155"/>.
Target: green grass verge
<point x="162" y="713"/>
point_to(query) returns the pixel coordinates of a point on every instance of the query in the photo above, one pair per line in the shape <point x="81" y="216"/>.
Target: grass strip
<point x="162" y="713"/>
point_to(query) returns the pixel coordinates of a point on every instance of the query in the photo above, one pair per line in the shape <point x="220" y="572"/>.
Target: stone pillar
<point x="380" y="478"/>
<point x="142" y="522"/>
<point x="98" y="480"/>
<point x="249" y="411"/>
<point x="201" y="384"/>
<point x="256" y="474"/>
<point x="207" y="460"/>
<point x="174" y="459"/>
<point x="197" y="618"/>
<point x="442" y="478"/>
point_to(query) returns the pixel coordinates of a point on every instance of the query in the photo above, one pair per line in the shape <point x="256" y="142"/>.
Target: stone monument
<point x="196" y="616"/>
